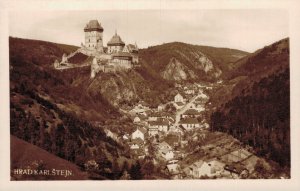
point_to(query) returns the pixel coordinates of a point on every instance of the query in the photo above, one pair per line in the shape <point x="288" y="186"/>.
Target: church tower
<point x="94" y="36"/>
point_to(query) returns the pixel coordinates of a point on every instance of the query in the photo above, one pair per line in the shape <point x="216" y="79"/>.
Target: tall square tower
<point x="94" y="36"/>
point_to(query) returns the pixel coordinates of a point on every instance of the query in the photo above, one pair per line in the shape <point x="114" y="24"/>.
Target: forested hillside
<point x="47" y="111"/>
<point x="258" y="110"/>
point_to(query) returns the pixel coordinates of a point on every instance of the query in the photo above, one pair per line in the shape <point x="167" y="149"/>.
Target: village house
<point x="198" y="136"/>
<point x="161" y="125"/>
<point x="191" y="113"/>
<point x="168" y="116"/>
<point x="139" y="118"/>
<point x="189" y="123"/>
<point x="161" y="107"/>
<point x="164" y="145"/>
<point x="140" y="132"/>
<point x="152" y="130"/>
<point x="201" y="100"/>
<point x="174" y="169"/>
<point x="176" y="130"/>
<point x="154" y="116"/>
<point x="178" y="105"/>
<point x="235" y="170"/>
<point x="179" y="98"/>
<point x="201" y="169"/>
<point x="173" y="140"/>
<point x="111" y="134"/>
<point x="167" y="154"/>
<point x="136" y="143"/>
<point x="126" y="137"/>
<point x="189" y="91"/>
<point x="137" y="110"/>
<point x="165" y="150"/>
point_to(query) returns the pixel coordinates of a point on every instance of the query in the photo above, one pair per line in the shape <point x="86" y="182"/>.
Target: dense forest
<point x="258" y="114"/>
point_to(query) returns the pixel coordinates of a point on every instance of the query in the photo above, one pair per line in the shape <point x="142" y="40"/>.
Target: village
<point x="176" y="136"/>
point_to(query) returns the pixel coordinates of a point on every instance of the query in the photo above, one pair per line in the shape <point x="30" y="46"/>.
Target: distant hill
<point x="27" y="156"/>
<point x="179" y="61"/>
<point x="263" y="61"/>
<point x="254" y="105"/>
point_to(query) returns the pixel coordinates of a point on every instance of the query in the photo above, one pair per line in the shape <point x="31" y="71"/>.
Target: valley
<point x="187" y="112"/>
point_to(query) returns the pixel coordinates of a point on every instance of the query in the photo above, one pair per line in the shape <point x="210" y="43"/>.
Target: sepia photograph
<point x="115" y="95"/>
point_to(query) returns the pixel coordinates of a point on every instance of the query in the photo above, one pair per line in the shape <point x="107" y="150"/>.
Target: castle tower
<point x="94" y="36"/>
<point x="115" y="44"/>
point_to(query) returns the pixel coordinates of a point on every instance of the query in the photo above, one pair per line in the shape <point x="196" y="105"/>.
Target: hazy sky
<point x="246" y="30"/>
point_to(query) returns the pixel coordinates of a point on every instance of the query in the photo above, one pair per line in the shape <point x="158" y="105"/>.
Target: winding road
<point x="186" y="107"/>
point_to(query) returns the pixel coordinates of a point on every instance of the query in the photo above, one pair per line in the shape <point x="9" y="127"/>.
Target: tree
<point x="147" y="168"/>
<point x="135" y="171"/>
<point x="125" y="166"/>
<point x="125" y="176"/>
<point x="116" y="169"/>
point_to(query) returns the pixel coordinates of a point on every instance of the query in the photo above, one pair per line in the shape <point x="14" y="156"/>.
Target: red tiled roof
<point x="142" y="129"/>
<point x="172" y="139"/>
<point x="191" y="112"/>
<point x="155" y="115"/>
<point x="179" y="103"/>
<point x="143" y="117"/>
<point x="188" y="121"/>
<point x="137" y="141"/>
<point x="179" y="94"/>
<point x="158" y="123"/>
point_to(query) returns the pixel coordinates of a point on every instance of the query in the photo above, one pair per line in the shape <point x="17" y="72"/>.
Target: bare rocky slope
<point x="185" y="62"/>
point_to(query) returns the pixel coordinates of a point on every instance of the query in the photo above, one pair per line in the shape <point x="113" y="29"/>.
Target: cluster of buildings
<point x="116" y="56"/>
<point x="169" y="136"/>
<point x="163" y="130"/>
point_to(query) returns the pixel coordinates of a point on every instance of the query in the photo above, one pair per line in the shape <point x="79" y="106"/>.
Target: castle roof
<point x="132" y="48"/>
<point x="122" y="55"/>
<point x="116" y="40"/>
<point x="93" y="25"/>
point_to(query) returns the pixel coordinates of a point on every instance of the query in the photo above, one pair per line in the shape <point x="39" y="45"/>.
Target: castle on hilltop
<point x="116" y="56"/>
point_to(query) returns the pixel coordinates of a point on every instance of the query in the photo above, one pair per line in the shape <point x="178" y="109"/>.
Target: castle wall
<point x="114" y="49"/>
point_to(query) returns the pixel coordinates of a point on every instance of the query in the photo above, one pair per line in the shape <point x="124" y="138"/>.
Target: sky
<point x="248" y="29"/>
